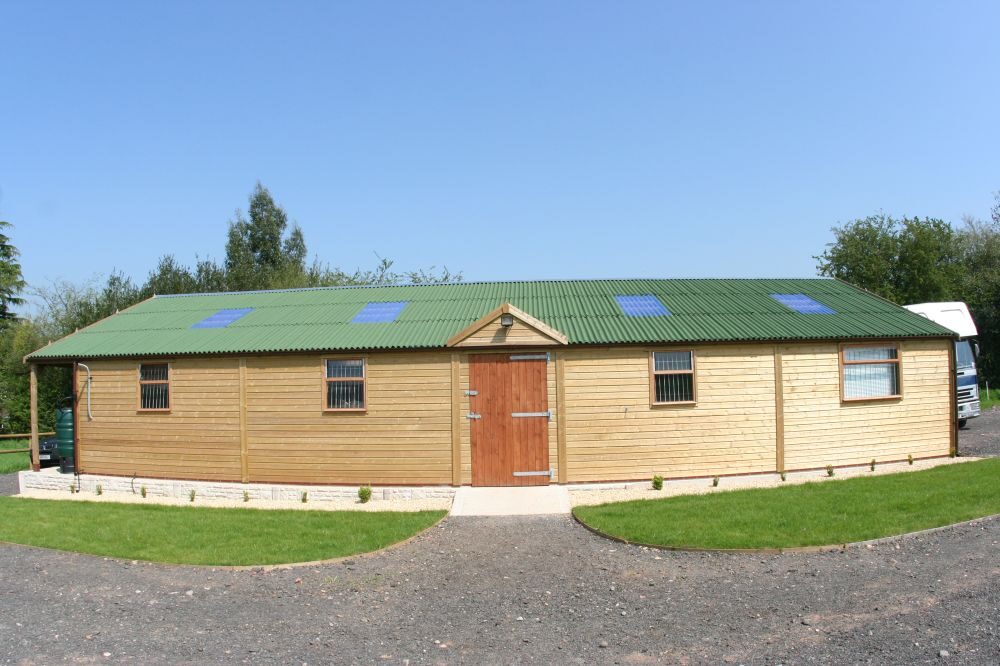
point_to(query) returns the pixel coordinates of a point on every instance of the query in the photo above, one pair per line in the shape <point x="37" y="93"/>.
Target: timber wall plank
<point x="820" y="430"/>
<point x="612" y="432"/>
<point x="199" y="438"/>
<point x="404" y="436"/>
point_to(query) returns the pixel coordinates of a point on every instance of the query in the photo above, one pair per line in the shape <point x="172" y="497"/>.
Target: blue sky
<point x="507" y="140"/>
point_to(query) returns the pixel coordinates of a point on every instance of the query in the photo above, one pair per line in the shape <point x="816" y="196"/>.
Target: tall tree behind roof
<point x="11" y="279"/>
<point x="259" y="252"/>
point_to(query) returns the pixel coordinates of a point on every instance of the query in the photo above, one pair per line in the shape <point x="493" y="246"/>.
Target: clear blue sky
<point x="507" y="140"/>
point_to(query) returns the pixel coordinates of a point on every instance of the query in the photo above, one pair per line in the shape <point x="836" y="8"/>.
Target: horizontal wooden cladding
<point x="612" y="432"/>
<point x="822" y="430"/>
<point x="198" y="438"/>
<point x="403" y="437"/>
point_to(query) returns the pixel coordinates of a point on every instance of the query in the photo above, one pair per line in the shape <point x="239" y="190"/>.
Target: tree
<point x="259" y="253"/>
<point x="18" y="340"/>
<point x="911" y="260"/>
<point x="915" y="260"/>
<point x="11" y="279"/>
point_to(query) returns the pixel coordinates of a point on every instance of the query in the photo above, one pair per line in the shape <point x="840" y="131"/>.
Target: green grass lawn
<point x="812" y="514"/>
<point x="198" y="535"/>
<point x="991" y="402"/>
<point x="13" y="462"/>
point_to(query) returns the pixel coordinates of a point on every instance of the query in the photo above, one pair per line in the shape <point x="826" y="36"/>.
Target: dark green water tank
<point x="64" y="438"/>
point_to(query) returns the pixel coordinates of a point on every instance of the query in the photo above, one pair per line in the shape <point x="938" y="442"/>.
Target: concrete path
<point x="525" y="501"/>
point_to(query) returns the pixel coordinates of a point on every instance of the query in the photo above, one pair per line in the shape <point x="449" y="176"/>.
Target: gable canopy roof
<point x="585" y="311"/>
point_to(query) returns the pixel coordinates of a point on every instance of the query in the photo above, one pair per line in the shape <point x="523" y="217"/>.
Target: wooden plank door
<point x="510" y="438"/>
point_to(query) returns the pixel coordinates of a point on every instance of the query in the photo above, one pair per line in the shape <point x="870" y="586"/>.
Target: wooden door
<point x="510" y="439"/>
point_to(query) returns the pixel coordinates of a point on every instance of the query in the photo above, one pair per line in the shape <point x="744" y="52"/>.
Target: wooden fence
<point x="22" y="436"/>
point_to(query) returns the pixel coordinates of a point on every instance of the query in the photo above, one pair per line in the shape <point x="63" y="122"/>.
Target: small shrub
<point x="191" y="495"/>
<point x="142" y="491"/>
<point x="657" y="482"/>
<point x="909" y="458"/>
<point x="99" y="489"/>
<point x="872" y="464"/>
<point x="305" y="497"/>
<point x="72" y="489"/>
<point x="783" y="476"/>
<point x="364" y="494"/>
<point x="829" y="470"/>
<point x="246" y="496"/>
<point x="715" y="482"/>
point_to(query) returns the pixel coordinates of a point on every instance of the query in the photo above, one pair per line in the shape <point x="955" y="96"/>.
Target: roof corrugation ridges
<point x="585" y="310"/>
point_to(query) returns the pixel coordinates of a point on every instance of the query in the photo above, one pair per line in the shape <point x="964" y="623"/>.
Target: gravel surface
<point x="8" y="484"/>
<point x="597" y="494"/>
<point x="501" y="590"/>
<point x="981" y="436"/>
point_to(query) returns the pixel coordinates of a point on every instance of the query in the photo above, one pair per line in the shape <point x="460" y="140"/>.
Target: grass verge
<point x="986" y="403"/>
<point x="198" y="535"/>
<point x="13" y="462"/>
<point x="811" y="514"/>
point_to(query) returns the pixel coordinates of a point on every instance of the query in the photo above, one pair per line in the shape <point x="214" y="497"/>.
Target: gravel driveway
<point x="499" y="590"/>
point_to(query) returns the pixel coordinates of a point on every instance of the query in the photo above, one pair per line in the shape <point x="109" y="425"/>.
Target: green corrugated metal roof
<point x="702" y="310"/>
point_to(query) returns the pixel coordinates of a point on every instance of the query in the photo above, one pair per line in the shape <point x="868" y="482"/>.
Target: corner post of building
<point x="33" y="400"/>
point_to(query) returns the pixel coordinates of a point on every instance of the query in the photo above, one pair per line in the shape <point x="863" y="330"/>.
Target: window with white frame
<point x="870" y="372"/>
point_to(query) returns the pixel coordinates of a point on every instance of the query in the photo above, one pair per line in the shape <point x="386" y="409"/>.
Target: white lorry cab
<point x="956" y="317"/>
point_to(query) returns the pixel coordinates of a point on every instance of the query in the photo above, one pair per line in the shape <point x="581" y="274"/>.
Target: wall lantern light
<point x="506" y="320"/>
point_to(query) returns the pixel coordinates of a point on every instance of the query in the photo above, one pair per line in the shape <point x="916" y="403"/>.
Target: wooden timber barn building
<point x="509" y="383"/>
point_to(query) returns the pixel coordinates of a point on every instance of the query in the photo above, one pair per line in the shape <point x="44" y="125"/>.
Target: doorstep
<point x="521" y="501"/>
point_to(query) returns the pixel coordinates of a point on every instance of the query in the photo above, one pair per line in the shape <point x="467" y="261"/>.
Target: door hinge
<point x="546" y="472"/>
<point x="472" y="392"/>
<point x="525" y="415"/>
<point x="473" y="415"/>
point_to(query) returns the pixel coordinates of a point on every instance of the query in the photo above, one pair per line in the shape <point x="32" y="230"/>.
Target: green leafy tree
<point x="911" y="260"/>
<point x="19" y="339"/>
<point x="11" y="280"/>
<point x="261" y="251"/>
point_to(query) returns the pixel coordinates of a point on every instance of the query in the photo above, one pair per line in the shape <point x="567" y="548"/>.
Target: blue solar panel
<point x="223" y="318"/>
<point x="802" y="304"/>
<point x="379" y="313"/>
<point x="644" y="305"/>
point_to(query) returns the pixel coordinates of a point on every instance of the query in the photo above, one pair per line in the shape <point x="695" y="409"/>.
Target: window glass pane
<point x="345" y="395"/>
<point x="671" y="361"/>
<point x="154" y="396"/>
<point x="869" y="353"/>
<point x="354" y="367"/>
<point x="154" y="373"/>
<point x="875" y="380"/>
<point x="674" y="388"/>
<point x="963" y="355"/>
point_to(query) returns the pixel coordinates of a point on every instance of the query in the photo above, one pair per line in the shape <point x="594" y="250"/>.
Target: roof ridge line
<point x="484" y="282"/>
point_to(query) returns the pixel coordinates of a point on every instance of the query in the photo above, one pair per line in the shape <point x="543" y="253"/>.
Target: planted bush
<point x="873" y="464"/>
<point x="829" y="470"/>
<point x="715" y="482"/>
<point x="365" y="494"/>
<point x="657" y="482"/>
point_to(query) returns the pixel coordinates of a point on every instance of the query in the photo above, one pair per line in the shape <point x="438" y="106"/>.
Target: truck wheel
<point x="962" y="422"/>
